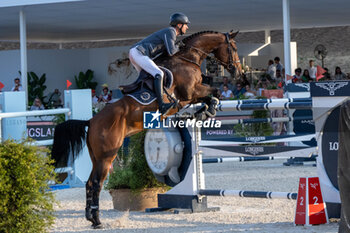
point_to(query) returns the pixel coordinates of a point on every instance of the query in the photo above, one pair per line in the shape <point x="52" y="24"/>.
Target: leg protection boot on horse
<point x="88" y="213"/>
<point x="200" y="115"/>
<point x="96" y="224"/>
<point x="211" y="112"/>
<point x="158" y="86"/>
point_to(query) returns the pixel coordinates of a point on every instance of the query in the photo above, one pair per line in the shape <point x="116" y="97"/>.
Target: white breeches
<point x="142" y="62"/>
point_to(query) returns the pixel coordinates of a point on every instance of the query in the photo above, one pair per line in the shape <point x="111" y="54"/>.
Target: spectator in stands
<point x="297" y="76"/>
<point x="312" y="70"/>
<point x="338" y="74"/>
<point x="306" y="76"/>
<point x="263" y="83"/>
<point x="227" y="93"/>
<point x="105" y="97"/>
<point x="37" y="105"/>
<point x="216" y="93"/>
<point x="94" y="97"/>
<point x="239" y="90"/>
<point x="278" y="64"/>
<point x="279" y="76"/>
<point x="17" y="86"/>
<point x="326" y="75"/>
<point x="271" y="70"/>
<point x="243" y="80"/>
<point x="225" y="82"/>
<point x="250" y="94"/>
<point x="55" y="99"/>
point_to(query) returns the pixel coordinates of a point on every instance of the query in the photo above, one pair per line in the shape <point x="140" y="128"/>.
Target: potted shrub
<point x="36" y="88"/>
<point x="26" y="204"/>
<point x="132" y="184"/>
<point x="84" y="80"/>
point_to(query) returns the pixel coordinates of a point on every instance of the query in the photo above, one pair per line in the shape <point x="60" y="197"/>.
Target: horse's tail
<point x="69" y="137"/>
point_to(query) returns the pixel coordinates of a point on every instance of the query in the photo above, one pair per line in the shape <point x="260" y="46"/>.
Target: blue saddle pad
<point x="143" y="96"/>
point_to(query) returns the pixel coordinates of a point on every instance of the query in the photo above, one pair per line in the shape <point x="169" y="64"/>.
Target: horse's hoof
<point x="97" y="226"/>
<point x="211" y="112"/>
<point x="214" y="101"/>
<point x="91" y="220"/>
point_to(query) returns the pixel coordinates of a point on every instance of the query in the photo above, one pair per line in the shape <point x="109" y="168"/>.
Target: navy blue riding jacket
<point x="158" y="42"/>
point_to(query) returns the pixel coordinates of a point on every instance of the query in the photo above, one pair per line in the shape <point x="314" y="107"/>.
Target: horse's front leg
<point x="204" y="91"/>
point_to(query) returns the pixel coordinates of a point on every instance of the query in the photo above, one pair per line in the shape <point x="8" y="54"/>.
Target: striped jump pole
<point x="239" y="159"/>
<point x="251" y="104"/>
<point x="266" y="120"/>
<point x="254" y="194"/>
<point x="260" y="101"/>
<point x="231" y="106"/>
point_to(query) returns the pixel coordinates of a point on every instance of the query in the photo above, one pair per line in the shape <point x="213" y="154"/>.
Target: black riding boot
<point x="158" y="86"/>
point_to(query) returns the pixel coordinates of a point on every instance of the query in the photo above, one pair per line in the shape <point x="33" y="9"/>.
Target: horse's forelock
<point x="232" y="35"/>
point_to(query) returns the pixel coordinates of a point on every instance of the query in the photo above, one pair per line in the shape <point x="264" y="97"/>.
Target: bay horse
<point x="108" y="128"/>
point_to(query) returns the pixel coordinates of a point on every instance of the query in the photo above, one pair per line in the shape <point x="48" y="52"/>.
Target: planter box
<point x="276" y="93"/>
<point x="125" y="199"/>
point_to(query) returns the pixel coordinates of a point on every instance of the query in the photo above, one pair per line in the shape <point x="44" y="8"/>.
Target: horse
<point x="107" y="129"/>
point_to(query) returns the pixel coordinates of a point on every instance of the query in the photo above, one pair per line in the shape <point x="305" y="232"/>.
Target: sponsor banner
<point x="41" y="130"/>
<point x="334" y="88"/>
<point x="298" y="87"/>
<point x="256" y="150"/>
<point x="330" y="146"/>
<point x="304" y="126"/>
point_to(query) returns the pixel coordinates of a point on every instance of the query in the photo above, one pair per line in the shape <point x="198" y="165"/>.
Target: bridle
<point x="231" y="52"/>
<point x="230" y="65"/>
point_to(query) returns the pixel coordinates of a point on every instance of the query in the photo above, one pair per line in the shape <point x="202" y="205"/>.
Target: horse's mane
<point x="194" y="35"/>
<point x="186" y="40"/>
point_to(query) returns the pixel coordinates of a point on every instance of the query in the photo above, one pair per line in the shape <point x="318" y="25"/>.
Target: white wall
<point x="101" y="58"/>
<point x="9" y="67"/>
<point x="58" y="65"/>
<point x="277" y="48"/>
<point x="257" y="55"/>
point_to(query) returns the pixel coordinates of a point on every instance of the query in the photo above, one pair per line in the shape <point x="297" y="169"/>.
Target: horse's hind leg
<point x="98" y="176"/>
<point x="88" y="187"/>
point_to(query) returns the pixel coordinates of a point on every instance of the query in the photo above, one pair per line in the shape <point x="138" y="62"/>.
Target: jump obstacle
<point x="238" y="159"/>
<point x="191" y="194"/>
<point x="14" y="125"/>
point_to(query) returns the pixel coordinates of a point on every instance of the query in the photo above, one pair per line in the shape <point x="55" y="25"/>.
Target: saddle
<point x="145" y="81"/>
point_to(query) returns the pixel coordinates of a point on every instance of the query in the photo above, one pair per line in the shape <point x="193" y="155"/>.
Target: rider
<point x="144" y="52"/>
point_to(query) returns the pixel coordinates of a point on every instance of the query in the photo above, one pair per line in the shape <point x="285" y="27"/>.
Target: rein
<point x="189" y="60"/>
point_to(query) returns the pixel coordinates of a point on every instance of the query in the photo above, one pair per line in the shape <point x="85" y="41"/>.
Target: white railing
<point x="67" y="111"/>
<point x="34" y="113"/>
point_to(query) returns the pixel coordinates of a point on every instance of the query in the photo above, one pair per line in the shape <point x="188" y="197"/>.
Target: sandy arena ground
<point x="235" y="215"/>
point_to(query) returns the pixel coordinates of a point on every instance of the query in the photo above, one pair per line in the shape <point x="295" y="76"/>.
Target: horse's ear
<point x="233" y="34"/>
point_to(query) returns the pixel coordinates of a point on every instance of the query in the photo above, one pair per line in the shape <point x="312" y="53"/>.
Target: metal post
<point x="267" y="37"/>
<point x="286" y="38"/>
<point x="0" y="131"/>
<point x="23" y="51"/>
